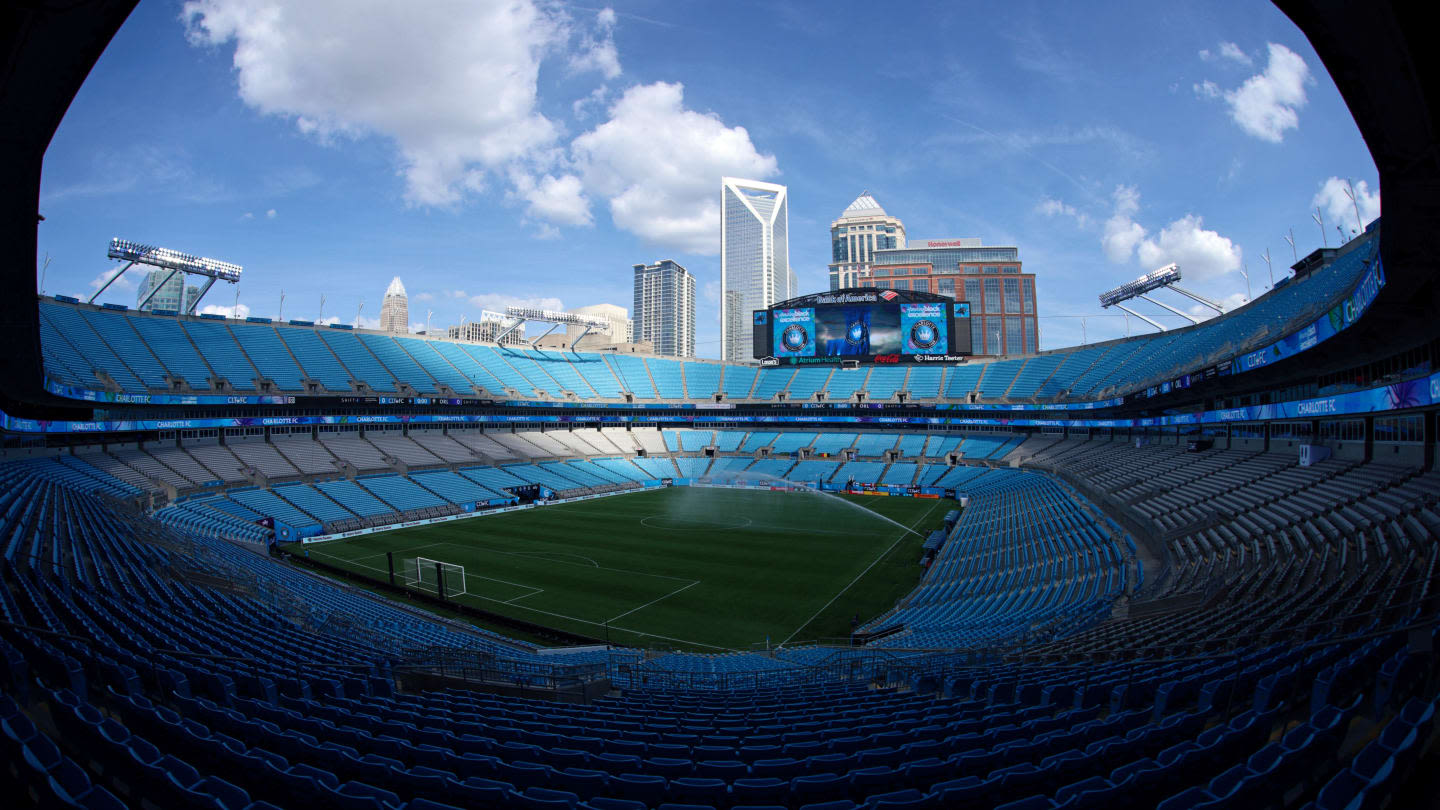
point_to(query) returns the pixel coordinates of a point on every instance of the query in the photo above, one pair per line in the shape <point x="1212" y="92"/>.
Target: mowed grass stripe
<point x="648" y="561"/>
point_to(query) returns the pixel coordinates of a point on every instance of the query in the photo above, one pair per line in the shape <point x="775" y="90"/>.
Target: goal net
<point x="427" y="574"/>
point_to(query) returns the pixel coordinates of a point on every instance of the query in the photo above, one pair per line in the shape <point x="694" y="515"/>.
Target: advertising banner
<point x="794" y="331"/>
<point x="924" y="329"/>
<point x="1340" y="317"/>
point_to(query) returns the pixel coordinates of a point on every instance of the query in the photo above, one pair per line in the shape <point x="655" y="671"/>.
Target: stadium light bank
<point x="1167" y="277"/>
<point x="555" y="319"/>
<point x="166" y="259"/>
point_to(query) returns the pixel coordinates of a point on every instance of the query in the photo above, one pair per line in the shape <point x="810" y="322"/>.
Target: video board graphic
<point x="879" y="330"/>
<point x="924" y="329"/>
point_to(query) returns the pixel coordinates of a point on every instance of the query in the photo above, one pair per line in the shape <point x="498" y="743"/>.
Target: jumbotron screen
<point x="864" y="325"/>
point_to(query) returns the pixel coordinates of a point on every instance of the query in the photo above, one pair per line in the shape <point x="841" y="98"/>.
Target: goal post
<point x="435" y="576"/>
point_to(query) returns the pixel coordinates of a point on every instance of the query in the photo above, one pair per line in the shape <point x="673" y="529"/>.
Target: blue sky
<point x="520" y="152"/>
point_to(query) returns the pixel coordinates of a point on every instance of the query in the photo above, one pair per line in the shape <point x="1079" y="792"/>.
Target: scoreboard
<point x="864" y="325"/>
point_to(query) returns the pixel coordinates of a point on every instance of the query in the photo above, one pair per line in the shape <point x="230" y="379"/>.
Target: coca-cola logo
<point x="887" y="358"/>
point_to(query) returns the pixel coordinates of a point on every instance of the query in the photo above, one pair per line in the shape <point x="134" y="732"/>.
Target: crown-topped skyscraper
<point x="395" y="309"/>
<point x="862" y="229"/>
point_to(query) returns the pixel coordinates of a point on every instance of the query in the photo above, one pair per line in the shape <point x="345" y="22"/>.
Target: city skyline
<point x="1105" y="141"/>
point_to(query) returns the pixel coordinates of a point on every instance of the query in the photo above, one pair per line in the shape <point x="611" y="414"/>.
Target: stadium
<point x="251" y="563"/>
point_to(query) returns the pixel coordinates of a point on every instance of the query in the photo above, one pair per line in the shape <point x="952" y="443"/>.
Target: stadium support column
<point x="440" y="581"/>
<point x="390" y="563"/>
<point x="1428" y="435"/>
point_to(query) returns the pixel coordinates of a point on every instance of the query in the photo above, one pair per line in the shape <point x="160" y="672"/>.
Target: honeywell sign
<point x="945" y="243"/>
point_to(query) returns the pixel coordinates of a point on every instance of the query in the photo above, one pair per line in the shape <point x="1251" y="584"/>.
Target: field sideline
<point x="693" y="568"/>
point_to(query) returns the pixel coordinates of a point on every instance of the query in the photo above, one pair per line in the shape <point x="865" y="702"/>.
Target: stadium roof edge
<point x="48" y="49"/>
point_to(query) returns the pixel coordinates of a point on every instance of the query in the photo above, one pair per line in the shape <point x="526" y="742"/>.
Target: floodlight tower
<point x="134" y="253"/>
<point x="555" y="319"/>
<point x="1167" y="277"/>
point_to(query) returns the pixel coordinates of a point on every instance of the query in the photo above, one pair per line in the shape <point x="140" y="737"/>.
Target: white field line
<point x="468" y="577"/>
<point x="544" y="554"/>
<point x="383" y="553"/>
<point x="872" y="564"/>
<point x="653" y="601"/>
<point x="567" y="617"/>
<point x="563" y="562"/>
<point x="672" y="638"/>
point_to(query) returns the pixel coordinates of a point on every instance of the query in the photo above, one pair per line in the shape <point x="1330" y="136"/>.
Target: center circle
<point x="687" y="524"/>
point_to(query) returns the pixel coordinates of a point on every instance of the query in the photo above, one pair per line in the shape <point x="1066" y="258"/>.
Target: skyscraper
<point x="665" y="308"/>
<point x="620" y="330"/>
<point x="175" y="295"/>
<point x="489" y="329"/>
<point x="862" y="229"/>
<point x="395" y="309"/>
<point x="754" y="258"/>
<point x="1004" y="311"/>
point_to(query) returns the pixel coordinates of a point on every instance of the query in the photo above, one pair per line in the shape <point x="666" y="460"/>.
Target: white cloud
<point x="122" y="283"/>
<point x="462" y="114"/>
<point x="1054" y="208"/>
<point x="1333" y="200"/>
<point x="1202" y="255"/>
<point x="365" y="322"/>
<point x="270" y="214"/>
<point x="496" y="302"/>
<point x="598" y="53"/>
<point x="248" y="215"/>
<point x="238" y="311"/>
<point x="424" y="296"/>
<point x="581" y="107"/>
<point x="452" y="83"/>
<point x="1228" y="50"/>
<point x="557" y="199"/>
<point x="1122" y="232"/>
<point x="141" y="169"/>
<point x="1268" y="103"/>
<point x="659" y="165"/>
<point x="1231" y="51"/>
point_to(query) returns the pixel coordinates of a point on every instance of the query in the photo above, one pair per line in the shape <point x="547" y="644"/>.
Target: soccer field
<point x="688" y="567"/>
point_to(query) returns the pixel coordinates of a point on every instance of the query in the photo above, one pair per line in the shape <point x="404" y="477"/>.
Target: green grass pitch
<point x="691" y="568"/>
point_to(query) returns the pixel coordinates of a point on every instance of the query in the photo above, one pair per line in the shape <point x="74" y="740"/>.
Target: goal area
<point x="430" y="575"/>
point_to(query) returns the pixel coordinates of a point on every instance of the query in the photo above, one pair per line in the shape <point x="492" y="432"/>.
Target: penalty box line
<point x="872" y="564"/>
<point x="576" y="618"/>
<point x="468" y="576"/>
<point x="588" y="564"/>
<point x="692" y="584"/>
